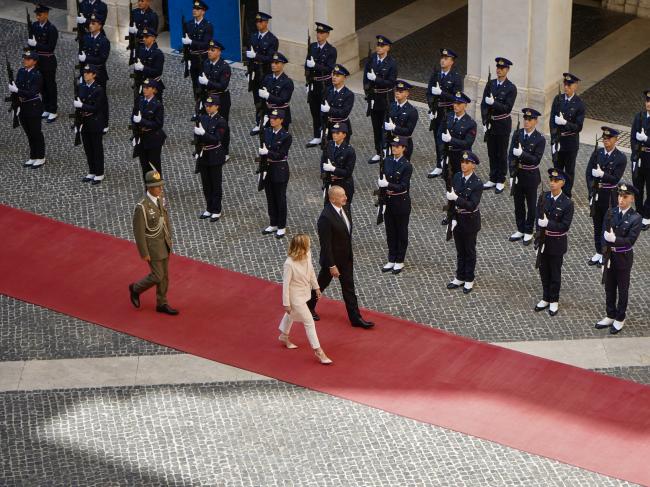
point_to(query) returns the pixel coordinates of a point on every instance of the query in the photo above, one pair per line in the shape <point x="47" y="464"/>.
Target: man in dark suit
<point x="335" y="236"/>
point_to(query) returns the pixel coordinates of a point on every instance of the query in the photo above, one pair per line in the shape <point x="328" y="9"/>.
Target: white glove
<point x="325" y="107"/>
<point x="307" y="89"/>
<point x="203" y="79"/>
<point x="431" y="115"/>
<point x="310" y="62"/>
<point x="371" y="75"/>
<point x="517" y="151"/>
<point x="446" y="137"/>
<point x="250" y="54"/>
<point x="597" y="172"/>
<point x="390" y="126"/>
<point x="81" y="19"/>
<point x="610" y="236"/>
<point x="543" y="222"/>
<point x="12" y="87"/>
<point x="186" y="40"/>
<point x="453" y="225"/>
<point x="554" y="149"/>
<point x="559" y="120"/>
<point x="328" y="166"/>
<point x="133" y="29"/>
<point x="641" y="136"/>
<point x="82" y="56"/>
<point x="263" y="150"/>
<point x="265" y="120"/>
<point x="436" y="90"/>
<point x="137" y="117"/>
<point x="199" y="130"/>
<point x="510" y="181"/>
<point x="138" y="66"/>
<point x="31" y="41"/>
<point x="263" y="93"/>
<point x="489" y="99"/>
<point x="484" y="128"/>
<point x="452" y="196"/>
<point x="382" y="183"/>
<point x="77" y="103"/>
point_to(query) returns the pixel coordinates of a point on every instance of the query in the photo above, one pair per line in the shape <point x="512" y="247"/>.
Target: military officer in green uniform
<point x="154" y="240"/>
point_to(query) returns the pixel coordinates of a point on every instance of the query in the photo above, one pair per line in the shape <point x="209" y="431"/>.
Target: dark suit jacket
<point x="335" y="240"/>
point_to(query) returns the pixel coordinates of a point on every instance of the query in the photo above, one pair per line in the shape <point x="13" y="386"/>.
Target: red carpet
<point x="578" y="417"/>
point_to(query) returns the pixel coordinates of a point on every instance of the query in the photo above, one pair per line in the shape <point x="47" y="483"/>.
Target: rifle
<point x="13" y="97"/>
<point x="636" y="149"/>
<point x="515" y="173"/>
<point x="488" y="124"/>
<point x="198" y="147"/>
<point x="136" y="76"/>
<point x="186" y="51"/>
<point x="30" y="28"/>
<point x="368" y="91"/>
<point x="593" y="191"/>
<point x="132" y="38"/>
<point x="243" y="28"/>
<point x="540" y="234"/>
<point x="135" y="132"/>
<point x="309" y="73"/>
<point x="451" y="205"/>
<point x="263" y="167"/>
<point x="381" y="192"/>
<point x="434" y="102"/>
<point x="555" y="135"/>
<point x="607" y="251"/>
<point x="76" y="125"/>
<point x="324" y="126"/>
<point x="78" y="28"/>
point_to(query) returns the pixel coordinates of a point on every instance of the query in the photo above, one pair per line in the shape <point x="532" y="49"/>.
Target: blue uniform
<point x="321" y="80"/>
<point x="344" y="159"/>
<point x="405" y="118"/>
<point x="275" y="184"/>
<point x="381" y="93"/>
<point x="212" y="159"/>
<point x="398" y="207"/>
<point x="218" y="74"/>
<point x="497" y="119"/>
<point x="265" y="46"/>
<point x="97" y="49"/>
<point x="30" y="87"/>
<point x="463" y="134"/>
<point x="341" y="103"/>
<point x="450" y="83"/>
<point x="568" y="135"/>
<point x="641" y="163"/>
<point x="46" y="36"/>
<point x="280" y="89"/>
<point x="154" y="61"/>
<point x="93" y="121"/>
<point x="151" y="133"/>
<point x="201" y="33"/>
<point x="144" y="19"/>
<point x="468" y="217"/>
<point x="97" y="7"/>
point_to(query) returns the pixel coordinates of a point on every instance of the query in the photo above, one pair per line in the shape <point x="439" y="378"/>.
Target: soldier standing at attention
<point x="604" y="171"/>
<point x="149" y="115"/>
<point x="29" y="86"/>
<point x="91" y="103"/>
<point x="319" y="64"/>
<point x="380" y="74"/>
<point x="624" y="229"/>
<point x="150" y="60"/>
<point x="262" y="46"/>
<point x="44" y="42"/>
<point x="153" y="237"/>
<point x="215" y="78"/>
<point x="143" y="18"/>
<point x="641" y="160"/>
<point x="95" y="51"/>
<point x="337" y="164"/>
<point x="338" y="101"/>
<point x="526" y="152"/>
<point x="402" y="117"/>
<point x="498" y="99"/>
<point x="445" y="81"/>
<point x="89" y="7"/>
<point x="566" y="119"/>
<point x="554" y="218"/>
<point x="199" y="32"/>
<point x="277" y="89"/>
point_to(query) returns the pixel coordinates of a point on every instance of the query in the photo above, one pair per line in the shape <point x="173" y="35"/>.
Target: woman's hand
<point x="318" y="294"/>
<point x="287" y="309"/>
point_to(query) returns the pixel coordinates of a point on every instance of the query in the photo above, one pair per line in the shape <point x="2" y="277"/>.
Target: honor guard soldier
<point x="498" y="99"/>
<point x="95" y="51"/>
<point x="456" y="135"/>
<point x="149" y="118"/>
<point x="262" y="46"/>
<point x="396" y="181"/>
<point x="338" y="102"/>
<point x="29" y="86"/>
<point x="337" y="164"/>
<point x="380" y="75"/>
<point x="143" y="18"/>
<point x="199" y="31"/>
<point x="215" y="79"/>
<point x="566" y="119"/>
<point x="277" y="89"/>
<point x="321" y="58"/>
<point x="444" y="83"/>
<point x="277" y="142"/>
<point x="150" y="60"/>
<point x="153" y="237"/>
<point x="402" y="117"/>
<point x="641" y="160"/>
<point x="604" y="171"/>
<point x="44" y="42"/>
<point x="554" y="218"/>
<point x="86" y="10"/>
<point x="465" y="196"/>
<point x="211" y="132"/>
<point x="92" y="105"/>
<point x="524" y="157"/>
<point x="622" y="229"/>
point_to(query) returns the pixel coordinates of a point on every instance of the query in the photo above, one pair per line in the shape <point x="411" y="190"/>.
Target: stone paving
<point x="368" y="11"/>
<point x="232" y="434"/>
<point x="591" y="24"/>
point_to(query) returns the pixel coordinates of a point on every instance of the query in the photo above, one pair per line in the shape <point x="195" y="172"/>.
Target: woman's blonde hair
<point x="299" y="246"/>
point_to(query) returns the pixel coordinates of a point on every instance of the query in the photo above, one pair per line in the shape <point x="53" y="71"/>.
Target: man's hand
<point x="517" y="151"/>
<point x="137" y="118"/>
<point x="147" y="258"/>
<point x="12" y="87"/>
<point x="431" y="115"/>
<point x="77" y="103"/>
<point x="371" y="75"/>
<point x="250" y="54"/>
<point x="199" y="130"/>
<point x="489" y="99"/>
<point x="610" y="236"/>
<point x="451" y="195"/>
<point x="186" y="40"/>
<point x="81" y="19"/>
<point x="382" y="183"/>
<point x="446" y="137"/>
<point x="559" y="120"/>
<point x="133" y="29"/>
<point x="31" y="41"/>
<point x="641" y="136"/>
<point x="325" y="107"/>
<point x="263" y="93"/>
<point x="138" y="66"/>
<point x="310" y="62"/>
<point x="543" y="222"/>
<point x="334" y="271"/>
<point x="263" y="150"/>
<point x="82" y="56"/>
<point x="436" y="90"/>
<point x="203" y="79"/>
<point x="329" y="167"/>
<point x="390" y="126"/>
<point x="597" y="172"/>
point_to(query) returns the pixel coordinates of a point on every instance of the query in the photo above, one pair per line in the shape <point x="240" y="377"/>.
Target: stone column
<point x="534" y="34"/>
<point x="292" y="18"/>
<point x="117" y="20"/>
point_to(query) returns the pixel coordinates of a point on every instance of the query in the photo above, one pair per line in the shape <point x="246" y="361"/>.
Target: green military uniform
<point x="153" y="238"/>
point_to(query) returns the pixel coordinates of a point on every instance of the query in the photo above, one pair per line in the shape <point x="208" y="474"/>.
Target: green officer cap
<point x="153" y="179"/>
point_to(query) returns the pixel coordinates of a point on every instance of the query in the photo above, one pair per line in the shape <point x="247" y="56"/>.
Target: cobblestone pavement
<point x="244" y="434"/>
<point x="591" y="24"/>
<point x="368" y="11"/>
<point x="619" y="97"/>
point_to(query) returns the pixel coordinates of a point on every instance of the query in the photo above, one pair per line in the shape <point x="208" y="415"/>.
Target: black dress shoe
<point x="397" y="271"/>
<point x="593" y="262"/>
<point x="528" y="242"/>
<point x="214" y="218"/>
<point x="451" y="285"/>
<point x="370" y="161"/>
<point x="644" y="227"/>
<point x="514" y="239"/>
<point x="386" y="269"/>
<point x="553" y="313"/>
<point x="598" y="326"/>
<point x="540" y="308"/>
<point x="168" y="310"/>
<point x="96" y="182"/>
<point x="268" y="232"/>
<point x="309" y="145"/>
<point x="498" y="191"/>
<point x="467" y="290"/>
<point x="135" y="297"/>
<point x="203" y="216"/>
<point x="432" y="176"/>
<point x="361" y="323"/>
<point x="254" y="133"/>
<point x="614" y="331"/>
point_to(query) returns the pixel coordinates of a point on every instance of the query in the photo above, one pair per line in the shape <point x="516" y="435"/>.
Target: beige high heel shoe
<point x="324" y="359"/>
<point x="287" y="343"/>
